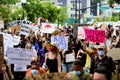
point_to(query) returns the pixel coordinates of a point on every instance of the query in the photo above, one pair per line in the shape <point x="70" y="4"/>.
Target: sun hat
<point x="52" y="44"/>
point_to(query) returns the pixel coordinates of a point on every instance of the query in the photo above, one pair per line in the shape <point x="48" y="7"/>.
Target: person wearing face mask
<point x="78" y="73"/>
<point x="102" y="60"/>
<point x="34" y="70"/>
<point x="52" y="58"/>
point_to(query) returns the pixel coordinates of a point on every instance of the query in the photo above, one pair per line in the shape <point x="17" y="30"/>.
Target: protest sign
<point x="81" y="33"/>
<point x="75" y="28"/>
<point x="70" y="58"/>
<point x="1" y="50"/>
<point x="20" y="56"/>
<point x="61" y="41"/>
<point x="19" y="67"/>
<point x="7" y="39"/>
<point x="95" y="35"/>
<point x="48" y="28"/>
<point x="16" y="40"/>
<point x="25" y="29"/>
<point x="1" y="24"/>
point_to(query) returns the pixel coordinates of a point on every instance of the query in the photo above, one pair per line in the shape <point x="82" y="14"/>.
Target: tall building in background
<point x="60" y="2"/>
<point x="78" y="8"/>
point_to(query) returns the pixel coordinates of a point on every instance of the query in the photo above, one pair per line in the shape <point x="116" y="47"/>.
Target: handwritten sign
<point x="81" y="33"/>
<point x="25" y="29"/>
<point x="70" y="57"/>
<point x="1" y="50"/>
<point x="20" y="56"/>
<point x="95" y="35"/>
<point x="61" y="41"/>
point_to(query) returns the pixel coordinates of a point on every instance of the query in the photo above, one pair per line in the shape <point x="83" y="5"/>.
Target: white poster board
<point x="16" y="40"/>
<point x="20" y="55"/>
<point x="48" y="28"/>
<point x="61" y="41"/>
<point x="81" y="33"/>
<point x="70" y="58"/>
<point x="24" y="29"/>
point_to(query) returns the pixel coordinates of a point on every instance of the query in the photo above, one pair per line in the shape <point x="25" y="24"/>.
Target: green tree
<point x="6" y="10"/>
<point x="37" y="8"/>
<point x="8" y="1"/>
<point x="113" y="1"/>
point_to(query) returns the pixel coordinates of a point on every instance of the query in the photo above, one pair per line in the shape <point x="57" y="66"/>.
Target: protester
<point x="78" y="72"/>
<point x="67" y="65"/>
<point x="82" y="56"/>
<point x="52" y="58"/>
<point x="41" y="54"/>
<point x="4" y="72"/>
<point x="33" y="70"/>
<point x="102" y="60"/>
<point x="102" y="73"/>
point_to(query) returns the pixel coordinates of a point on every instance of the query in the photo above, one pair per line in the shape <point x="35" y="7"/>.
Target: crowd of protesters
<point x="91" y="61"/>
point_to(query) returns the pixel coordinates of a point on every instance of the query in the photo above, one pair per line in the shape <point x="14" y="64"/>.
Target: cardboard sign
<point x="48" y="28"/>
<point x="95" y="35"/>
<point x="1" y="50"/>
<point x="20" y="56"/>
<point x="61" y="41"/>
<point x="25" y="29"/>
<point x="114" y="53"/>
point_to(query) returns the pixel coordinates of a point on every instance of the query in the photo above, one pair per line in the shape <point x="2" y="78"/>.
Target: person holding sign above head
<point x="68" y="59"/>
<point x="52" y="58"/>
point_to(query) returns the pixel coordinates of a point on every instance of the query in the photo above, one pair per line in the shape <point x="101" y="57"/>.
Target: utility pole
<point x="79" y="11"/>
<point x="75" y="11"/>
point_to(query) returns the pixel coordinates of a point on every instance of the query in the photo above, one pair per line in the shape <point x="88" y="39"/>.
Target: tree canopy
<point x="37" y="8"/>
<point x="33" y="9"/>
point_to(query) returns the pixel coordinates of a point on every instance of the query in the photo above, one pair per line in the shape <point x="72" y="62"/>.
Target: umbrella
<point x="114" y="53"/>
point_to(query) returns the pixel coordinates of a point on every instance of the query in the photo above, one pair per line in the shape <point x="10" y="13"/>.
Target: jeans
<point x="67" y="67"/>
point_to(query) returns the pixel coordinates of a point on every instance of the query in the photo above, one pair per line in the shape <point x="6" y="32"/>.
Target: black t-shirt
<point x="107" y="62"/>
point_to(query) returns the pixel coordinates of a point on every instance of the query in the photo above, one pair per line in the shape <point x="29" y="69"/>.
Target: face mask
<point x="52" y="49"/>
<point x="77" y="72"/>
<point x="101" y="52"/>
<point x="34" y="71"/>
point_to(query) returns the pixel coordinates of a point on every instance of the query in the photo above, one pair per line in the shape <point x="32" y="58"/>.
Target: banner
<point x="20" y="56"/>
<point x="48" y="28"/>
<point x="95" y="35"/>
<point x="61" y="41"/>
<point x="1" y="50"/>
<point x="25" y="29"/>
